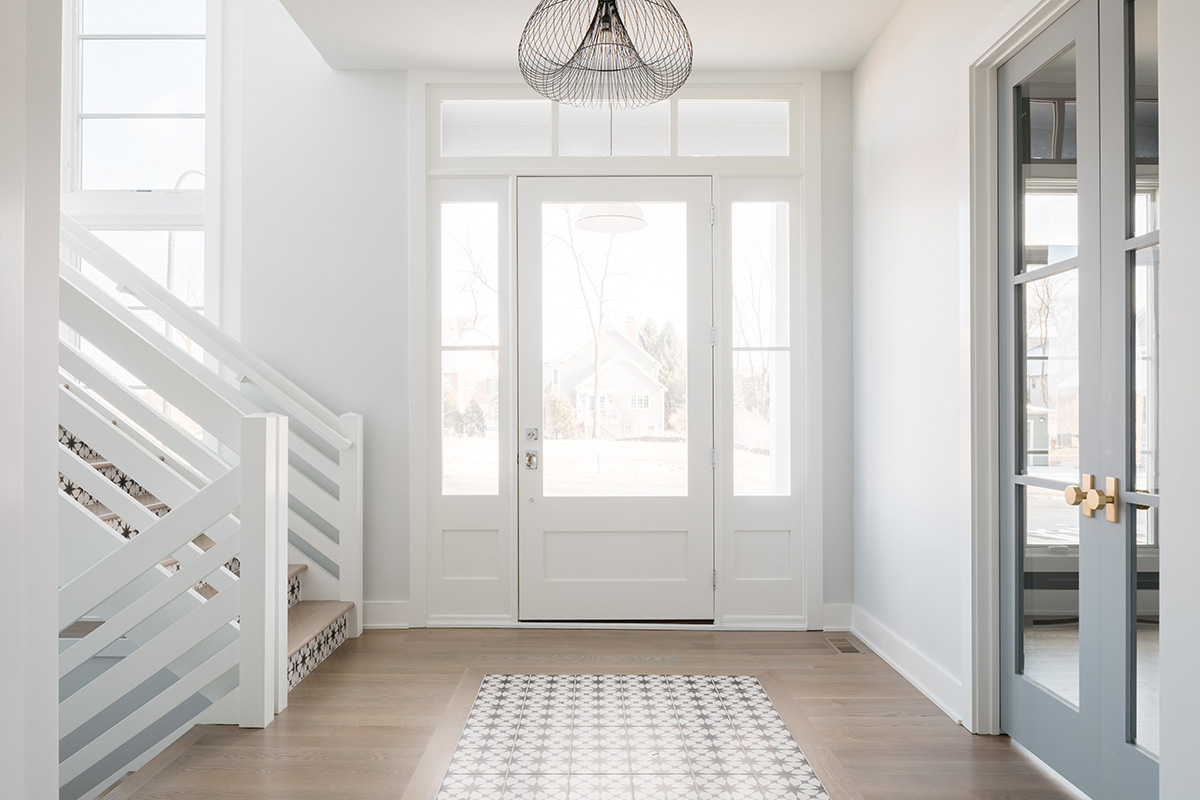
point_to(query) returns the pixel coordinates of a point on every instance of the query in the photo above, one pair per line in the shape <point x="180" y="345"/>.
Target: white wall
<point x="1179" y="24"/>
<point x="837" y="212"/>
<point x="30" y="76"/>
<point x="323" y="238"/>
<point x="912" y="505"/>
<point x="912" y="521"/>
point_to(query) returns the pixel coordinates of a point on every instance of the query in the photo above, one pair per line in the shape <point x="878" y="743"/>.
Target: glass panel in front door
<point x="614" y="342"/>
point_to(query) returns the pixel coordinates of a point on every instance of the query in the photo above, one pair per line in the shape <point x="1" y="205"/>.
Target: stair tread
<point x="309" y="617"/>
<point x="296" y="569"/>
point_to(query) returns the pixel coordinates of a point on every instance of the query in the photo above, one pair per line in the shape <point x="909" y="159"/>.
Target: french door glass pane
<point x="1145" y="369"/>
<point x="1145" y="112"/>
<point x="1146" y="664"/>
<point x="614" y="341"/>
<point x="760" y="274"/>
<point x="761" y="423"/>
<point x="122" y="76"/>
<point x="1052" y="376"/>
<point x="1050" y="204"/>
<point x="1050" y="603"/>
<point x="470" y="422"/>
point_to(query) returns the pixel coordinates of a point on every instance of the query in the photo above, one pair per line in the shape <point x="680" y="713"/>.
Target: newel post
<point x="350" y="521"/>
<point x="262" y="691"/>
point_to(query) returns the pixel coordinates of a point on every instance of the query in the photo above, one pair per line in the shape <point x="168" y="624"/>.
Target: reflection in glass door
<point x="1079" y="377"/>
<point x="615" y="399"/>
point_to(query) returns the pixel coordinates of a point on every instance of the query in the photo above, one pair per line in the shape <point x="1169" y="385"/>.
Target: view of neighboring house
<point x="631" y="398"/>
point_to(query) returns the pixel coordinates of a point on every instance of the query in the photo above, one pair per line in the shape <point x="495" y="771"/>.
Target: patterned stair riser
<point x="293" y="590"/>
<point x="122" y="481"/>
<point x="315" y="651"/>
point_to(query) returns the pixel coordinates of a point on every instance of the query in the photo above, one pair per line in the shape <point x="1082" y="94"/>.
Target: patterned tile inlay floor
<point x="627" y="737"/>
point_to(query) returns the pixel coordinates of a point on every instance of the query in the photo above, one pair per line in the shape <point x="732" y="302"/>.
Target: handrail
<point x="290" y="397"/>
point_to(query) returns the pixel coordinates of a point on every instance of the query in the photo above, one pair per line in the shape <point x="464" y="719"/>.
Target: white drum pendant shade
<point x="620" y="53"/>
<point x="611" y="218"/>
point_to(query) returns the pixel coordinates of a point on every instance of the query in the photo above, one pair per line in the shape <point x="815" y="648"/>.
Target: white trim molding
<point x="385" y="615"/>
<point x="838" y="616"/>
<point x="1014" y="25"/>
<point x="929" y="678"/>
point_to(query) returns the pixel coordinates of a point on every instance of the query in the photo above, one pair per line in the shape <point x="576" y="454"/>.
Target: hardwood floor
<point x="380" y="718"/>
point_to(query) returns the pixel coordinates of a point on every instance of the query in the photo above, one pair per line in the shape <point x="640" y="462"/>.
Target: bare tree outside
<point x="593" y="277"/>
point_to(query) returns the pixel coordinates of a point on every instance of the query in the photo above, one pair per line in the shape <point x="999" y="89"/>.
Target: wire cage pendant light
<point x="615" y="53"/>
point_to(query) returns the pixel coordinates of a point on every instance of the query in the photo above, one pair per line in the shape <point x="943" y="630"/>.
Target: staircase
<point x="186" y="534"/>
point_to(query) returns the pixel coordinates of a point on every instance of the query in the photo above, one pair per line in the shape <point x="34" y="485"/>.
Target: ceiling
<point x="483" y="34"/>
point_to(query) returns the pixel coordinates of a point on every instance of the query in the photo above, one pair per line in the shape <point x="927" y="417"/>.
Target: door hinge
<point x="712" y="336"/>
<point x="713" y="458"/>
<point x="712" y="215"/>
<point x="714" y="579"/>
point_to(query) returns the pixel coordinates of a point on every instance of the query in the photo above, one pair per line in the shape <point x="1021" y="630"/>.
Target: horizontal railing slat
<point x="143" y="552"/>
<point x="316" y="499"/>
<point x="312" y="456"/>
<point x="127" y="455"/>
<point x="148" y="659"/>
<point x="88" y="478"/>
<point x="180" y="379"/>
<point x="319" y="541"/>
<point x="145" y="716"/>
<point x="151" y="420"/>
<point x="145" y="606"/>
<point x="290" y="397"/>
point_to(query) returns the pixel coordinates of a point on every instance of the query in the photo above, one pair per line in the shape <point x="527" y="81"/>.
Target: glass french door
<point x="615" y="399"/>
<point x="1078" y="167"/>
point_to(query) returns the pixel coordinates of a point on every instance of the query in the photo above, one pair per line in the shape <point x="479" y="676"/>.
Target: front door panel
<point x="614" y="282"/>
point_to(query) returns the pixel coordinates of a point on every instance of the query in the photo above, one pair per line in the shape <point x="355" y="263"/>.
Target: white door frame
<point x="804" y="89"/>
<point x="1015" y="25"/>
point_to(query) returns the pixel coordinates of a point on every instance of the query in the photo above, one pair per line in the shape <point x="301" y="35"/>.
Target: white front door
<point x="615" y="399"/>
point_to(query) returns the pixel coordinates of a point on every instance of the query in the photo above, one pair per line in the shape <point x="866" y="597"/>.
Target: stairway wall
<point x="320" y="265"/>
<point x="30" y="77"/>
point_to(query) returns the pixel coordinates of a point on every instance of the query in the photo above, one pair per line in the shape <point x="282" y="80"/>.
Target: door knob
<point x="1107" y="500"/>
<point x="1076" y="495"/>
<point x="531" y="459"/>
<point x="1097" y="499"/>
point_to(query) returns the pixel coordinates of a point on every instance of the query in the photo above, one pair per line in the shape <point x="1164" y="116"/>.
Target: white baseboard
<point x="838" y="616"/>
<point x="918" y="669"/>
<point x="385" y="614"/>
<point x="762" y="622"/>
<point x="470" y="621"/>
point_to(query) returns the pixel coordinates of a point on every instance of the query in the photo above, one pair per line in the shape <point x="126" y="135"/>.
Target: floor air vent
<point x="842" y="645"/>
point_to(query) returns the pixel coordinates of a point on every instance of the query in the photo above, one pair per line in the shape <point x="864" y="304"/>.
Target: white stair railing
<point x="325" y="449"/>
<point x="149" y="654"/>
<point x="190" y="653"/>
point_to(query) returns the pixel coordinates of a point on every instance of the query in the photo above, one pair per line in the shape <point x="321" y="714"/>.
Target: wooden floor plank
<point x="381" y="716"/>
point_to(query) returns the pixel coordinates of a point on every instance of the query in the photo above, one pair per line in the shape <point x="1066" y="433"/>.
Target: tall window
<point x="140" y="95"/>
<point x="135" y="151"/>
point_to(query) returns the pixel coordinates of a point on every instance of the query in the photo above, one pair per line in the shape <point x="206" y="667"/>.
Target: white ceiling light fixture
<point x="611" y="218"/>
<point x="619" y="53"/>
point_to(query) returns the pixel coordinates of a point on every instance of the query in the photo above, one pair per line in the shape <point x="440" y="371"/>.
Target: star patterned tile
<point x="627" y="737"/>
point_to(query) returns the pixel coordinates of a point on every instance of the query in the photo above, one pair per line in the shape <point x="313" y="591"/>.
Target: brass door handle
<point x="1075" y="495"/>
<point x="1097" y="499"/>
